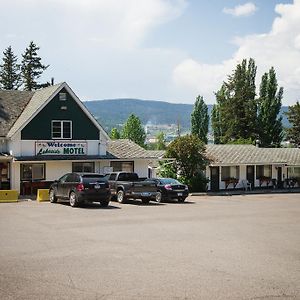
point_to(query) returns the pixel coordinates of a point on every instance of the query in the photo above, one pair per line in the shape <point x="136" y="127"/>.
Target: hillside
<point x="114" y="112"/>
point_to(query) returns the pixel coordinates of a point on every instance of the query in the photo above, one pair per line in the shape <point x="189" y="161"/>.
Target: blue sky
<point x="170" y="50"/>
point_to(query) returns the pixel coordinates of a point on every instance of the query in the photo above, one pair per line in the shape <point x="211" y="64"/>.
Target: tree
<point x="293" y="116"/>
<point x="134" y="130"/>
<point x="270" y="131"/>
<point x="32" y="68"/>
<point x="10" y="78"/>
<point x="234" y="115"/>
<point x="115" y="134"/>
<point x="200" y="119"/>
<point x="160" y="141"/>
<point x="188" y="152"/>
<point x="190" y="161"/>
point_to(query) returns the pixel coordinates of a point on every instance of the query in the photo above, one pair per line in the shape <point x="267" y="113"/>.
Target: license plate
<point x="179" y="194"/>
<point x="145" y="194"/>
<point x="97" y="186"/>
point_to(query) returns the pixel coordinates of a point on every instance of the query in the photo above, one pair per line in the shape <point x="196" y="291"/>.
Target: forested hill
<point x="114" y="112"/>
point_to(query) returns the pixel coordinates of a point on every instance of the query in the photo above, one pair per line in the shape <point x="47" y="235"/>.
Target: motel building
<point x="49" y="132"/>
<point x="250" y="167"/>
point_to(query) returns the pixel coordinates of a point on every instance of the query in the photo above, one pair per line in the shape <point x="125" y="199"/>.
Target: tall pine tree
<point x="200" y="119"/>
<point x="270" y="132"/>
<point x="234" y="114"/>
<point x="10" y="78"/>
<point x="32" y="68"/>
<point x="219" y="123"/>
<point x="134" y="130"/>
<point x="293" y="115"/>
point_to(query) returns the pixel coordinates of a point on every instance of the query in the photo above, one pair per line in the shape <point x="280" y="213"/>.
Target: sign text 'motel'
<point x="60" y="148"/>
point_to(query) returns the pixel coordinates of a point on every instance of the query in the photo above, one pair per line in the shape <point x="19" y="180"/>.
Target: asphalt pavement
<point x="211" y="247"/>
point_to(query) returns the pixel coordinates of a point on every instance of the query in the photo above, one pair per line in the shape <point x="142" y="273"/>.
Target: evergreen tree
<point x="32" y="68"/>
<point x="234" y="115"/>
<point x="218" y="125"/>
<point x="115" y="134"/>
<point x="10" y="78"/>
<point x="293" y="116"/>
<point x="270" y="131"/>
<point x="200" y="119"/>
<point x="160" y="141"/>
<point x="134" y="130"/>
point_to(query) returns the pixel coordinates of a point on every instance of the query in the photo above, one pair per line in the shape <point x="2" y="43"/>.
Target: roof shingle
<point x="126" y="149"/>
<point x="12" y="104"/>
<point x="249" y="154"/>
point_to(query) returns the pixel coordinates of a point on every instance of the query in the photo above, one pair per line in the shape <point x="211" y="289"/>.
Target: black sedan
<point x="78" y="188"/>
<point x="169" y="188"/>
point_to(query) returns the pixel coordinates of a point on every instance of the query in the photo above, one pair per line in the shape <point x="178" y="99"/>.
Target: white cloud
<point x="279" y="48"/>
<point x="110" y="22"/>
<point x="97" y="46"/>
<point x="241" y="10"/>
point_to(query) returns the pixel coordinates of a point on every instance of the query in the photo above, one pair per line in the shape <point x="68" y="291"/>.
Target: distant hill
<point x="114" y="112"/>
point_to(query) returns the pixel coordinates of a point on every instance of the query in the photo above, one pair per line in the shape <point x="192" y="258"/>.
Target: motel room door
<point x="279" y="178"/>
<point x="250" y="175"/>
<point x="214" y="179"/>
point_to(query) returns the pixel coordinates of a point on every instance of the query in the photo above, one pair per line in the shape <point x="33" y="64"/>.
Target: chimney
<point x="52" y="80"/>
<point x="257" y="143"/>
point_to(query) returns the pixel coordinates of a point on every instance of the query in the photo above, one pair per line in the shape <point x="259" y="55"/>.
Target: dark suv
<point x="79" y="188"/>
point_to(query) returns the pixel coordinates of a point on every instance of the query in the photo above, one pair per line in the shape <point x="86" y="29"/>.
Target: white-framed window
<point x="83" y="167"/>
<point x="263" y="171"/>
<point x="294" y="172"/>
<point x="230" y="172"/>
<point x="124" y="166"/>
<point x="61" y="129"/>
<point x="32" y="171"/>
<point x="62" y="96"/>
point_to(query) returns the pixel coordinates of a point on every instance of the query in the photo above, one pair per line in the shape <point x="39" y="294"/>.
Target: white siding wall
<point x="141" y="167"/>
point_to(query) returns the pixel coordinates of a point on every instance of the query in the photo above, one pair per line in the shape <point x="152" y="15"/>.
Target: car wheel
<point x="121" y="196"/>
<point x="158" y="197"/>
<point x="104" y="203"/>
<point x="52" y="196"/>
<point x="73" y="199"/>
<point x="181" y="199"/>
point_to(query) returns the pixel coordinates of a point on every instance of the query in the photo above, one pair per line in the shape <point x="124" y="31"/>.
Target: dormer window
<point x="61" y="129"/>
<point x="62" y="96"/>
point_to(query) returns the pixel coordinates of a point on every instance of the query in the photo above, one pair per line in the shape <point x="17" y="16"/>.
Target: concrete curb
<point x="255" y="192"/>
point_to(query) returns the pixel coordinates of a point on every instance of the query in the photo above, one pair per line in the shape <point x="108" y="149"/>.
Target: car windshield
<point x="93" y="178"/>
<point x="169" y="181"/>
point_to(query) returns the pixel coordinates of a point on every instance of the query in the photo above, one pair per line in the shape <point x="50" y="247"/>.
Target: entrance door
<point x="279" y="178"/>
<point x="214" y="179"/>
<point x="250" y="175"/>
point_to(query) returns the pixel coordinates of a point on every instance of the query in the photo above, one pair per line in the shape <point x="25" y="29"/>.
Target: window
<point x="73" y="178"/>
<point x="230" y="172"/>
<point x="4" y="171"/>
<point x="62" y="96"/>
<point x="294" y="172"/>
<point x="61" y="129"/>
<point x="88" y="167"/>
<point x="125" y="166"/>
<point x="32" y="171"/>
<point x="263" y="171"/>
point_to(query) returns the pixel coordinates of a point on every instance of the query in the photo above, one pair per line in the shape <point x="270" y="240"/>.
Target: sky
<point x="169" y="50"/>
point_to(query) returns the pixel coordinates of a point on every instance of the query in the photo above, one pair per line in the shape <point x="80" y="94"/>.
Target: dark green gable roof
<point x="32" y="112"/>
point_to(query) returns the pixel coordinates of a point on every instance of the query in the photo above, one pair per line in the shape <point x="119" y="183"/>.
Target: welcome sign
<point x="61" y="148"/>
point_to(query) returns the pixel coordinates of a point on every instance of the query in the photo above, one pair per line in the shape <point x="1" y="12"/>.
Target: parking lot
<point x="211" y="247"/>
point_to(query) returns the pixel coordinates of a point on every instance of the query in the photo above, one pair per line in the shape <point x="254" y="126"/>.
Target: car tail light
<point x="79" y="187"/>
<point x="168" y="187"/>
